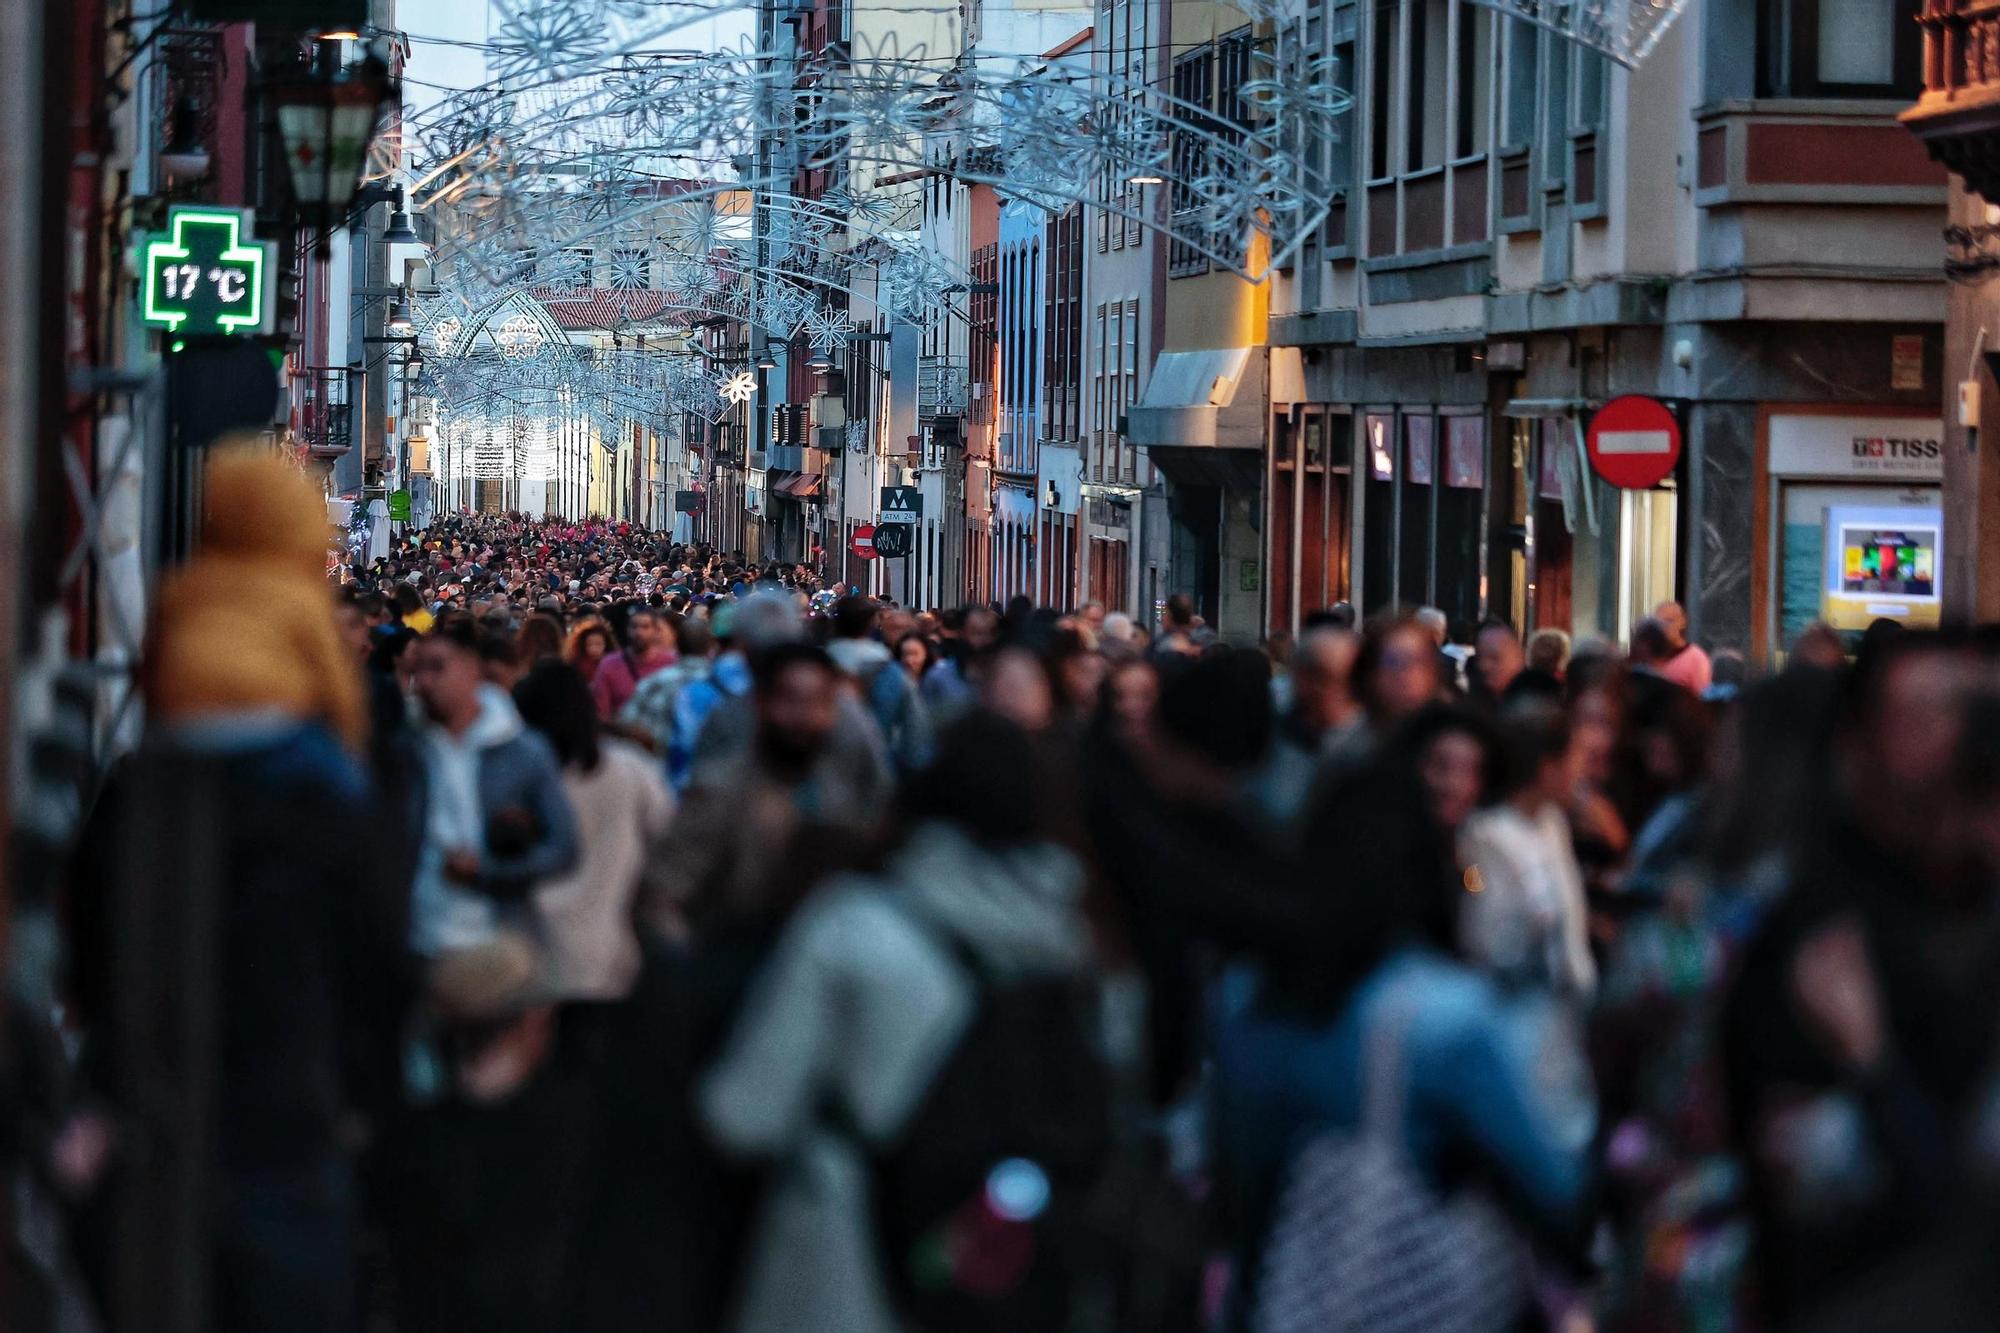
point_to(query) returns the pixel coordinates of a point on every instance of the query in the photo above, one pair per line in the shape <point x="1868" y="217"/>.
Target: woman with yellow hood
<point x="246" y="629"/>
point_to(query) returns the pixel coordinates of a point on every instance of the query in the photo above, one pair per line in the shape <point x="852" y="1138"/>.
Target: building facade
<point x="1736" y="228"/>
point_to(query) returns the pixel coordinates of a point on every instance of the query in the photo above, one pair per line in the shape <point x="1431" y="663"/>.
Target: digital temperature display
<point x="204" y="277"/>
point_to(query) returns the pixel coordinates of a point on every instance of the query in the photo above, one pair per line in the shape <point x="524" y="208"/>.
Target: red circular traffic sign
<point x="1633" y="442"/>
<point x="862" y="543"/>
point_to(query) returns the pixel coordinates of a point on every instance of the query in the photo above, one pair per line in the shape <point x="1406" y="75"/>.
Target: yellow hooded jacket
<point x="247" y="625"/>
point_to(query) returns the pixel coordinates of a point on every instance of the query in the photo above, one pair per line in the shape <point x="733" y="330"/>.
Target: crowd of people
<point x="617" y="934"/>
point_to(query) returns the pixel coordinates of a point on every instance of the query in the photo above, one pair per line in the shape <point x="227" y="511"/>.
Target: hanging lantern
<point x="326" y="124"/>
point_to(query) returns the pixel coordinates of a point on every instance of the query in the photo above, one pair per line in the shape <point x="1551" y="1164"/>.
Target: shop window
<point x="1192" y="82"/>
<point x="1340" y="149"/>
<point x="1518" y="109"/>
<point x="1460" y="500"/>
<point x="1475" y="72"/>
<point x="1646" y="553"/>
<point x="1839" y="48"/>
<point x="1417" y="512"/>
<point x="1554" y="151"/>
<point x="1378" y="512"/>
<point x="1382" y="20"/>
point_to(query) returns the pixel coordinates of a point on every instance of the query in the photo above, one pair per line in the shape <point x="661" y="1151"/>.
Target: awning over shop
<point x="1196" y="400"/>
<point x="795" y="485"/>
<point x="1238" y="470"/>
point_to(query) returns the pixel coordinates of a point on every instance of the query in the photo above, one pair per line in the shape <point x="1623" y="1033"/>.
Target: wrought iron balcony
<point x="324" y="403"/>
<point x="1958" y="116"/>
<point x="942" y="386"/>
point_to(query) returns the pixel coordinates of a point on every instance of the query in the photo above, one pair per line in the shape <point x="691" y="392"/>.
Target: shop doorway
<point x="1648" y="524"/>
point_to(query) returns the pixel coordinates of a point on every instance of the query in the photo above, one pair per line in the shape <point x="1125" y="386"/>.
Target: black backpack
<point x="980" y="1199"/>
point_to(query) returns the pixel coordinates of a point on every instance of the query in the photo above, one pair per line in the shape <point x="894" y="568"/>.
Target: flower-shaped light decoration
<point x="519" y="338"/>
<point x="549" y="40"/>
<point x="738" y="388"/>
<point x="639" y="92"/>
<point x="827" y="329"/>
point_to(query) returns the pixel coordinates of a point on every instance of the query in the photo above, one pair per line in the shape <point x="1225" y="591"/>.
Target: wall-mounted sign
<point x="901" y="504"/>
<point x="1859" y="448"/>
<point x="1633" y="442"/>
<point x="205" y="277"/>
<point x="1906" y="361"/>
<point x="892" y="540"/>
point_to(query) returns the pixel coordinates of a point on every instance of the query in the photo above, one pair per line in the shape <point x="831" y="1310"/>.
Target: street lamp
<point x="400" y="231"/>
<point x="326" y="124"/>
<point x="820" y="361"/>
<point x="399" y="316"/>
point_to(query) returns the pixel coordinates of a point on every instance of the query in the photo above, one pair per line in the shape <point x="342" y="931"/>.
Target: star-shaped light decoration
<point x="738" y="388"/>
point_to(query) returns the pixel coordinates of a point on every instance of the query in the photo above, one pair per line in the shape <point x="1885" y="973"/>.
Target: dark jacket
<point x="525" y="831"/>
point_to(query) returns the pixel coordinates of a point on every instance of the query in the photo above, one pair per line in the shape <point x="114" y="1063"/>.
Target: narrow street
<point x="999" y="666"/>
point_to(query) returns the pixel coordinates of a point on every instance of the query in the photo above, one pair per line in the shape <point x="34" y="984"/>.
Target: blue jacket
<point x="1491" y="1076"/>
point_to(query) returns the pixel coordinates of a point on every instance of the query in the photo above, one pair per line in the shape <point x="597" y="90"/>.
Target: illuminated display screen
<point x="1882" y="564"/>
<point x="1901" y="562"/>
<point x="205" y="277"/>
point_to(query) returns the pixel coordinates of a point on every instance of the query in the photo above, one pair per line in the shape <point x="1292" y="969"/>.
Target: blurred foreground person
<point x="1322" y="712"/>
<point x="1524" y="918"/>
<point x="919" y="1064"/>
<point x="623" y="808"/>
<point x="284" y="928"/>
<point x="1866" y="1008"/>
<point x="482" y="1189"/>
<point x="1390" y="1128"/>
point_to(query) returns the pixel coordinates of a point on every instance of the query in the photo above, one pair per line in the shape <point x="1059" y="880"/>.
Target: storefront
<point x="1013" y="540"/>
<point x="1108" y="527"/>
<point x="1423" y="471"/>
<point x="1311" y="465"/>
<point x="1060" y="492"/>
<point x="1204" y="422"/>
<point x="1567" y="550"/>
<point x="1849" y="521"/>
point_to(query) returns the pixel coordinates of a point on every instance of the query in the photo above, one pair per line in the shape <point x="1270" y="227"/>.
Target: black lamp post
<point x="326" y="123"/>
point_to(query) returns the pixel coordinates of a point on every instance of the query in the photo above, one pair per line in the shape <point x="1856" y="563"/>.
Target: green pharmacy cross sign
<point x="203" y="278"/>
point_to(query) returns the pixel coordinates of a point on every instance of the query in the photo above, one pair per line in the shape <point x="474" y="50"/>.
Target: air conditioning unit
<point x="760" y="461"/>
<point x="832" y="438"/>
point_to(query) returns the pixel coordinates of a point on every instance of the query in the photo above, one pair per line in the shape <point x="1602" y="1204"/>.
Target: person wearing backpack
<point x="919" y="1064"/>
<point x="1390" y="1127"/>
<point x="888" y="691"/>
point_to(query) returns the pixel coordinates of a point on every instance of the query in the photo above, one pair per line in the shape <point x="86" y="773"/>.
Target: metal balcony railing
<point x="326" y="417"/>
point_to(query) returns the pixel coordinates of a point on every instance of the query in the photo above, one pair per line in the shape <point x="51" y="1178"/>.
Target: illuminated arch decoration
<point x="579" y="96"/>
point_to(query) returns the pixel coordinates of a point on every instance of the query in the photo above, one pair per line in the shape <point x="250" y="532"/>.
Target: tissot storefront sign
<point x="1858" y="448"/>
<point x="205" y="276"/>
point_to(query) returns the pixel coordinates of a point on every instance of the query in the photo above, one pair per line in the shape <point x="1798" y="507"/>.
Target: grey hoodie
<point x="860" y="1006"/>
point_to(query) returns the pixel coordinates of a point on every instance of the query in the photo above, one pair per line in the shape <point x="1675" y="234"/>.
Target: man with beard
<point x="756" y="814"/>
<point x="760" y="824"/>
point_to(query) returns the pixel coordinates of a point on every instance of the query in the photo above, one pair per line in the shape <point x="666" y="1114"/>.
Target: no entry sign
<point x="862" y="543"/>
<point x="1634" y="442"/>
